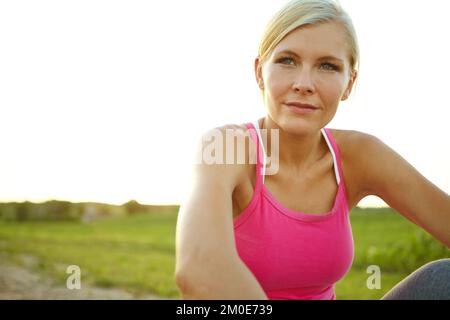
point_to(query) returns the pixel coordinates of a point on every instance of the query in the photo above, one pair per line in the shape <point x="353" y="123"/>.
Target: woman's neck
<point x="295" y="152"/>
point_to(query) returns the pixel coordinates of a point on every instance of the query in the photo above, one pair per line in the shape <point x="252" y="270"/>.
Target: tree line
<point x="70" y="211"/>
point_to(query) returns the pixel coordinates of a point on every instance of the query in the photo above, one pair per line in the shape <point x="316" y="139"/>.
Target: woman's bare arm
<point x="387" y="175"/>
<point x="207" y="262"/>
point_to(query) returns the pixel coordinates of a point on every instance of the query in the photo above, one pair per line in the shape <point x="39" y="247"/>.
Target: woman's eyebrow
<point x="331" y="58"/>
<point x="328" y="57"/>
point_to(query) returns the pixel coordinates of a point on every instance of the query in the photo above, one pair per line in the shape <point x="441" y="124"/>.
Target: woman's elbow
<point x="190" y="289"/>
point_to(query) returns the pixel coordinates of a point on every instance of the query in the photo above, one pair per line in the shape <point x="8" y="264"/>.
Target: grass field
<point x="137" y="253"/>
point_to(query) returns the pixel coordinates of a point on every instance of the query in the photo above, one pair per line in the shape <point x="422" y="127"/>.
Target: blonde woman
<point x="245" y="234"/>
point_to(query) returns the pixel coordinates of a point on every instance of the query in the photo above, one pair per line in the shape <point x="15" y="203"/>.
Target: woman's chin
<point x="299" y="126"/>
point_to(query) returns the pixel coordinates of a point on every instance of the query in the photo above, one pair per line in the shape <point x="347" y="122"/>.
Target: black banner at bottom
<point x="227" y="309"/>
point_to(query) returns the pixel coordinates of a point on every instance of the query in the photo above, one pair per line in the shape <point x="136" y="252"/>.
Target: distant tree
<point x="132" y="207"/>
<point x="23" y="210"/>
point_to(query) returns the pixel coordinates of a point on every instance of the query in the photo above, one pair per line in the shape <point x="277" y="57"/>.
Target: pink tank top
<point x="294" y="255"/>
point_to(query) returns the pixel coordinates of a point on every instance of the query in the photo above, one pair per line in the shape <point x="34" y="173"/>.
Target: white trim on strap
<point x="256" y="125"/>
<point x="336" y="170"/>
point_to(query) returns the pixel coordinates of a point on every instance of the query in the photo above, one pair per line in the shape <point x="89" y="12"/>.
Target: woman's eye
<point x="286" y="59"/>
<point x="330" y="66"/>
<point x="326" y="66"/>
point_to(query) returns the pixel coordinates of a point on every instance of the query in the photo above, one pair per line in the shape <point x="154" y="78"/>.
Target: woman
<point x="246" y="234"/>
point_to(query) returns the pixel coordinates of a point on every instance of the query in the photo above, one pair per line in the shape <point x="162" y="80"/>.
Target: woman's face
<point x="311" y="65"/>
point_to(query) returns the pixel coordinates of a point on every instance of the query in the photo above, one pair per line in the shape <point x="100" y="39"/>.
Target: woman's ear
<point x="349" y="88"/>
<point x="258" y="73"/>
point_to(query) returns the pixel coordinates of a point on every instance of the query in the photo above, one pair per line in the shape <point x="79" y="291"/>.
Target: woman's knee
<point x="436" y="270"/>
<point x="431" y="281"/>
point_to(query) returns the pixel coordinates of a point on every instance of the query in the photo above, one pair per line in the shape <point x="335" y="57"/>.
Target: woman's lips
<point x="301" y="108"/>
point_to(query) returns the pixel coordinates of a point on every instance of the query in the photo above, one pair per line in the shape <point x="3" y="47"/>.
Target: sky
<point x="105" y="100"/>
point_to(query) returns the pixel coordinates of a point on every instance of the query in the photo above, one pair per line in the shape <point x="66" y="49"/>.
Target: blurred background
<point x="102" y="102"/>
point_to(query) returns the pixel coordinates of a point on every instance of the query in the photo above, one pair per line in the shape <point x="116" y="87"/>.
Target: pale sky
<point x="104" y="100"/>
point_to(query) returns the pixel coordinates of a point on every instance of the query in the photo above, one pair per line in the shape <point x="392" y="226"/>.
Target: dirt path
<point x="20" y="282"/>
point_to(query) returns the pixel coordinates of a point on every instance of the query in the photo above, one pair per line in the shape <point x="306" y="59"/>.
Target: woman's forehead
<point x="327" y="39"/>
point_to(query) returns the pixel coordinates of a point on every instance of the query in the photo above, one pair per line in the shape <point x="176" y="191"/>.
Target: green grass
<point x="137" y="253"/>
<point x="386" y="239"/>
<point x="133" y="253"/>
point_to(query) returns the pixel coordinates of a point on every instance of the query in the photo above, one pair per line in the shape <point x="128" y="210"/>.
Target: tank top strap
<point x="334" y="149"/>
<point x="255" y="135"/>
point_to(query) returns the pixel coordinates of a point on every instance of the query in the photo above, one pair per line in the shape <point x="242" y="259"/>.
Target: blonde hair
<point x="297" y="13"/>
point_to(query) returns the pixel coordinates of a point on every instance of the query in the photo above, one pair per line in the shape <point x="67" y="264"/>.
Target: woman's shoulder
<point x="237" y="150"/>
<point x="229" y="132"/>
<point x="353" y="145"/>
<point x="350" y="142"/>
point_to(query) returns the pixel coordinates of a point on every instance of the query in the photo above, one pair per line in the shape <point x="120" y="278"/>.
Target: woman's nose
<point x="303" y="82"/>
